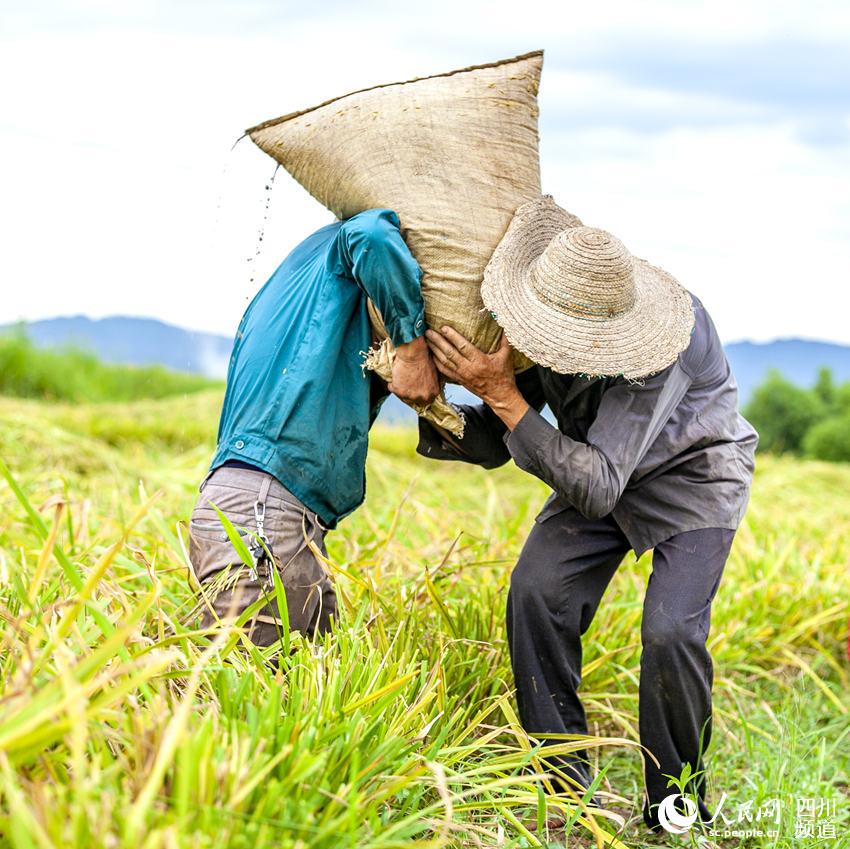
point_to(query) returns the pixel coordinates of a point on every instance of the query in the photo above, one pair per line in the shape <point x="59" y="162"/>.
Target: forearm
<point x="483" y="441"/>
<point x="579" y="472"/>
<point x="508" y="404"/>
<point x="414" y="351"/>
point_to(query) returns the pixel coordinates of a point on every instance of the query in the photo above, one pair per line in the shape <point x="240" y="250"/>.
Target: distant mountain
<point x="797" y="359"/>
<point x="146" y="341"/>
<point x="136" y="341"/>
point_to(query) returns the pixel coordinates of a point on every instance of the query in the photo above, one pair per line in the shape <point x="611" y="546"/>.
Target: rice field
<point x="122" y="725"/>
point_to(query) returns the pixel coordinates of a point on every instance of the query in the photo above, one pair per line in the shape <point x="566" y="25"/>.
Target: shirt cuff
<point x="407" y="328"/>
<point x="532" y="431"/>
<point x="433" y="445"/>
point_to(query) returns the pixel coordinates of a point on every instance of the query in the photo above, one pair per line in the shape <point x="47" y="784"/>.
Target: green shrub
<point x="829" y="439"/>
<point x="825" y="388"/>
<point x="782" y="413"/>
<point x="841" y="399"/>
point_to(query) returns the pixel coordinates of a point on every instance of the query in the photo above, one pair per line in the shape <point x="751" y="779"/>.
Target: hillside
<point x="136" y="341"/>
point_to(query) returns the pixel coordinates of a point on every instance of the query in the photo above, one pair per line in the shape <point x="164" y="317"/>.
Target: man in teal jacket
<point x="292" y="439"/>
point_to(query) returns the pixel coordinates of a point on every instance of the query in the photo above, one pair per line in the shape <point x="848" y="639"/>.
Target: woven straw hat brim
<point x="637" y="343"/>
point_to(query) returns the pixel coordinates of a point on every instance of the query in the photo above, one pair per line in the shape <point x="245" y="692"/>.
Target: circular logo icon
<point x="672" y="819"/>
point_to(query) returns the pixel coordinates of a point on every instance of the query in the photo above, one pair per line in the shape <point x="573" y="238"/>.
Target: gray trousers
<point x="563" y="570"/>
<point x="227" y="583"/>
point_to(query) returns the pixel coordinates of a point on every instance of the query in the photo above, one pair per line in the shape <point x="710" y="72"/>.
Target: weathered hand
<point x="414" y="377"/>
<point x="489" y="376"/>
<point x="461" y="362"/>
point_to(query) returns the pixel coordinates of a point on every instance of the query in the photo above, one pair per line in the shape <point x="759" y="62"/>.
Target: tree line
<point x="791" y="419"/>
<point x="71" y="374"/>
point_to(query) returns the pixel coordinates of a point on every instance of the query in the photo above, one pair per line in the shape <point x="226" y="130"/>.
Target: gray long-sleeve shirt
<point x="664" y="455"/>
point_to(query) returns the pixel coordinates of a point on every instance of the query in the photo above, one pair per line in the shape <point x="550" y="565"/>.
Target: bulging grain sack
<point x="453" y="154"/>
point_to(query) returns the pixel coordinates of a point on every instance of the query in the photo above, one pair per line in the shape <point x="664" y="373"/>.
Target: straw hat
<point x="575" y="300"/>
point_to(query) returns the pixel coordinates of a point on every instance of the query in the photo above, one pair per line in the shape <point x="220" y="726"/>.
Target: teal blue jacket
<point x="298" y="403"/>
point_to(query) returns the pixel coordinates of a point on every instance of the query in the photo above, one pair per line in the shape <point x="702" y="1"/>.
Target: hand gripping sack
<point x="453" y="154"/>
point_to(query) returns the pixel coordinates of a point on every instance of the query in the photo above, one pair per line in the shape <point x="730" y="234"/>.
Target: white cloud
<point x="751" y="220"/>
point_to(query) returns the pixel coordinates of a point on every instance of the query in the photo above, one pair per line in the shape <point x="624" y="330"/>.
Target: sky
<point x="713" y="138"/>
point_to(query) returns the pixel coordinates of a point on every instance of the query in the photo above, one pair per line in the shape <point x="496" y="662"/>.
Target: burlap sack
<point x="454" y="155"/>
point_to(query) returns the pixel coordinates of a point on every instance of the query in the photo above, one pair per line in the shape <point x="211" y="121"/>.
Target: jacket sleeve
<point x="376" y="257"/>
<point x="483" y="441"/>
<point x="591" y="476"/>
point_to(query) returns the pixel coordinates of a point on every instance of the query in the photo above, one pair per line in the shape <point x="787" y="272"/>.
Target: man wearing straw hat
<point x="649" y="452"/>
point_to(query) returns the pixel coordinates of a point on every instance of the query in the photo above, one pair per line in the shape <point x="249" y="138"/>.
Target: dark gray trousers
<point x="563" y="570"/>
